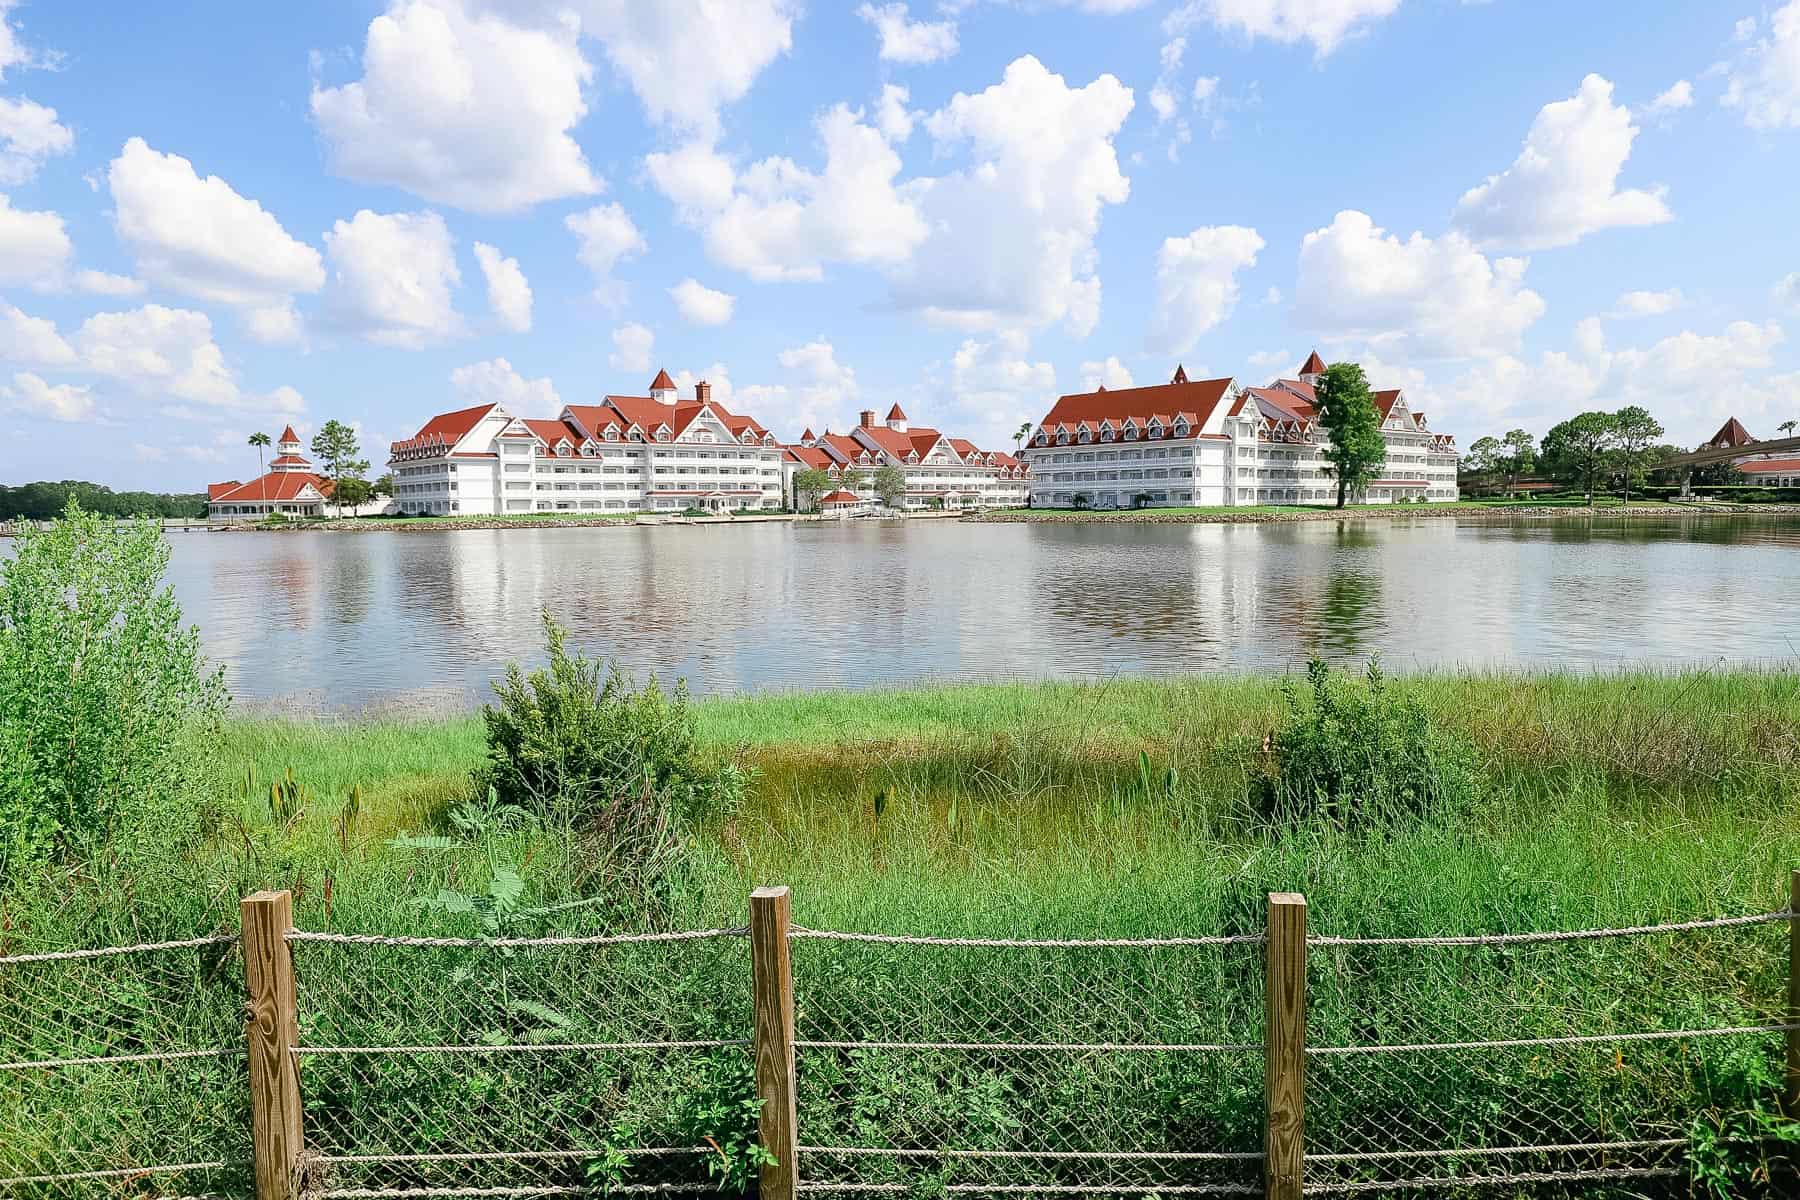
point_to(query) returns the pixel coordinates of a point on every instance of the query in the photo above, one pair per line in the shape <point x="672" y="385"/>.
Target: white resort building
<point x="626" y="454"/>
<point x="1212" y="443"/>
<point x="941" y="472"/>
<point x="290" y="488"/>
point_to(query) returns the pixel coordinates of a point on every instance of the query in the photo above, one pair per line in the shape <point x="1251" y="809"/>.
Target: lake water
<point x="312" y="621"/>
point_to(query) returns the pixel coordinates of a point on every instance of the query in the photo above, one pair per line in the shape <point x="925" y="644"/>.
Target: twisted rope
<point x="598" y="939"/>
<point x="1049" y="1047"/>
<point x="542" y="1047"/>
<point x="12" y="960"/>
<point x="1570" y="1040"/>
<point x="611" y="1189"/>
<point x="114" y="1173"/>
<point x="1059" y="1155"/>
<point x="798" y="932"/>
<point x="1390" y="1185"/>
<point x="1561" y="935"/>
<point x="1479" y="1151"/>
<point x="502" y="1155"/>
<point x="162" y="1056"/>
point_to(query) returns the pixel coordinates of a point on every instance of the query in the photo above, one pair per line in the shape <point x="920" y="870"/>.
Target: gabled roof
<point x="843" y="447"/>
<point x="1314" y="365"/>
<point x="1731" y="434"/>
<point x="1277" y="405"/>
<point x="1384" y="401"/>
<point x="552" y="432"/>
<point x="662" y="381"/>
<point x="842" y="497"/>
<point x="894" y="414"/>
<point x="451" y="427"/>
<point x="1195" y="399"/>
<point x="917" y="440"/>
<point x="274" y="486"/>
<point x="1770" y="466"/>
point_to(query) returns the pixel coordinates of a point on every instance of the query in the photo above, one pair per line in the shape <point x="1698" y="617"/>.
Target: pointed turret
<point x="662" y="388"/>
<point x="1180" y="374"/>
<point x="1313" y="366"/>
<point x="289" y="440"/>
<point x="896" y="420"/>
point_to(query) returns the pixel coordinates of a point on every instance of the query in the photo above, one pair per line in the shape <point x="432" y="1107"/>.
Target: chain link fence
<point x="1542" y="1064"/>
<point x="122" y="1071"/>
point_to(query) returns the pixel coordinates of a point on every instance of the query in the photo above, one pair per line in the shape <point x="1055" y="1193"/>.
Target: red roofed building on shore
<point x="941" y="472"/>
<point x="654" y="453"/>
<point x="1210" y="442"/>
<point x="290" y="488"/>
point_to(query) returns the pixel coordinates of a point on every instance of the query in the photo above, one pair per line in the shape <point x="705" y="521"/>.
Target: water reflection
<point x="429" y="619"/>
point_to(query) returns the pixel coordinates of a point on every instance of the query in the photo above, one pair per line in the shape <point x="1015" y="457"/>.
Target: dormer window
<point x="1129" y="430"/>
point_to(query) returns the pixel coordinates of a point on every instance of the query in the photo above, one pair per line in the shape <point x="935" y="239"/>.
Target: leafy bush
<point x="102" y="692"/>
<point x="1357" y="756"/>
<point x="579" y="744"/>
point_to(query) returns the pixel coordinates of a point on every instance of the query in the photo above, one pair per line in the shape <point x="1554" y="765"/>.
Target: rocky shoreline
<point x="1394" y="512"/>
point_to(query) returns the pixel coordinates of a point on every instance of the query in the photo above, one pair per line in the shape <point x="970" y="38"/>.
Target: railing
<point x="335" y="1066"/>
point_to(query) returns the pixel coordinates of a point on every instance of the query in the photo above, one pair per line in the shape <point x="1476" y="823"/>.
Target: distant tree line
<point x="44" y="500"/>
<point x="1589" y="451"/>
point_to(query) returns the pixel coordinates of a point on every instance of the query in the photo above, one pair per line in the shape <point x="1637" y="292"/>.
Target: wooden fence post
<point x="773" y="994"/>
<point x="273" y="1031"/>
<point x="1793" y="1004"/>
<point x="1284" y="1047"/>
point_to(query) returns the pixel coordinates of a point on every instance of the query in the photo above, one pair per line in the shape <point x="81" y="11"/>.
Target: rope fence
<point x="287" y="1064"/>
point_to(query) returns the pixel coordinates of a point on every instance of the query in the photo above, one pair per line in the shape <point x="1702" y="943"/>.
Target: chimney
<point x="868" y="419"/>
<point x="703" y="392"/>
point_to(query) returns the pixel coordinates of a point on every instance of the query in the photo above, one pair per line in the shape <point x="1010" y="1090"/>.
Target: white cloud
<point x="29" y="134"/>
<point x="1324" y="23"/>
<point x="104" y="283"/>
<point x="820" y="392"/>
<point x="701" y="305"/>
<point x="33" y="341"/>
<point x="606" y="236"/>
<point x="1564" y="184"/>
<point x="34" y="247"/>
<point x="462" y="108"/>
<point x="1679" y="95"/>
<point x="784" y="222"/>
<point x="1108" y="372"/>
<point x="995" y="387"/>
<point x="1011" y="237"/>
<point x="1648" y="304"/>
<point x="1423" y="297"/>
<point x="273" y="325"/>
<point x="13" y="51"/>
<point x="497" y="382"/>
<point x="718" y="376"/>
<point x="686" y="59"/>
<point x="1764" y="80"/>
<point x="509" y="295"/>
<point x="633" y="345"/>
<point x="166" y="350"/>
<point x="904" y="41"/>
<point x="200" y="237"/>
<point x="391" y="278"/>
<point x="31" y="396"/>
<point x="1272" y="296"/>
<point x="1272" y="360"/>
<point x="1196" y="283"/>
<point x="892" y="116"/>
<point x="1787" y="291"/>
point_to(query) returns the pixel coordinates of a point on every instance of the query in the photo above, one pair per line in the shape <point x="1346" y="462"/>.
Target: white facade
<point x="941" y="472"/>
<point x="1211" y="443"/>
<point x="289" y="488"/>
<point x="626" y="454"/>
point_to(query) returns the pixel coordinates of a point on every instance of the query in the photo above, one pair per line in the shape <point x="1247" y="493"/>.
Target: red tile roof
<point x="916" y="440"/>
<point x="894" y="414"/>
<point x="276" y="485"/>
<point x="1730" y="434"/>
<point x="1770" y="466"/>
<point x="289" y="460"/>
<point x="661" y="381"/>
<point x="287" y="435"/>
<point x="1314" y="365"/>
<point x="1384" y="401"/>
<point x="810" y="456"/>
<point x="451" y="427"/>
<point x="551" y="432"/>
<point x="842" y="497"/>
<point x="1140" y="404"/>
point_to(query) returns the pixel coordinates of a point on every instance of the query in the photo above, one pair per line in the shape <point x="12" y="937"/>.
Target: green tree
<point x="1580" y="449"/>
<point x="336" y="449"/>
<point x="1019" y="436"/>
<point x="384" y="486"/>
<point x="1788" y="427"/>
<point x="1634" y="433"/>
<point x="261" y="442"/>
<point x="890" y="484"/>
<point x="809" y="484"/>
<point x="1482" y="457"/>
<point x="1348" y="413"/>
<point x="1518" y="456"/>
<point x="853" y="480"/>
<point x="352" y="492"/>
<point x="104" y="696"/>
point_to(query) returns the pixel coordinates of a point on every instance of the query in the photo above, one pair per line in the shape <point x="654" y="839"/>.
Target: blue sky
<point x="222" y="217"/>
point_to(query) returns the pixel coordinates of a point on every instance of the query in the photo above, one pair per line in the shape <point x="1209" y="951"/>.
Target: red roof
<point x="552" y="432"/>
<point x="917" y="440"/>
<point x="1770" y="466"/>
<point x="276" y="485"/>
<point x="842" y="497"/>
<point x="811" y="456"/>
<point x="661" y="382"/>
<point x="844" y="445"/>
<point x="289" y="460"/>
<point x="1731" y="434"/>
<point x="1384" y="401"/>
<point x="894" y="414"/>
<point x="1314" y="365"/>
<point x="288" y="435"/>
<point x="1140" y="403"/>
<point x="452" y="427"/>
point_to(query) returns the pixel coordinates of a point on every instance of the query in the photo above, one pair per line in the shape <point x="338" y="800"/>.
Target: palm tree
<point x="1019" y="436"/>
<point x="1787" y="427"/>
<point x="259" y="440"/>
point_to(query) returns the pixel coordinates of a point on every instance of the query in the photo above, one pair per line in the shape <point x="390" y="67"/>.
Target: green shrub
<point x="1361" y="755"/>
<point x="579" y="744"/>
<point x="102" y="694"/>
